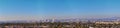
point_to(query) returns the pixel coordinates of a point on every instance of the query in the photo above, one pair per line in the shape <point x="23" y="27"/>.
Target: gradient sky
<point x="59" y="7"/>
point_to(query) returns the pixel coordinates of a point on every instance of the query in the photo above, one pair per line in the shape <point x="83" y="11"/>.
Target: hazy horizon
<point x="88" y="8"/>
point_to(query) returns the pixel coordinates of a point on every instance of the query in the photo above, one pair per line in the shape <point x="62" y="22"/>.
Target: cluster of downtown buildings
<point x="65" y="23"/>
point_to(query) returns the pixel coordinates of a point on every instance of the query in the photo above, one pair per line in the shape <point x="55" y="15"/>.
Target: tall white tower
<point x="53" y="19"/>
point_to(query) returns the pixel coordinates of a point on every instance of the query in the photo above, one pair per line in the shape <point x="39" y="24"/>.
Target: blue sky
<point x="59" y="7"/>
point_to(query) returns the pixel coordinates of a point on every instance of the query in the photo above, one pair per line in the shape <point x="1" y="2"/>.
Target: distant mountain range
<point x="65" y="20"/>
